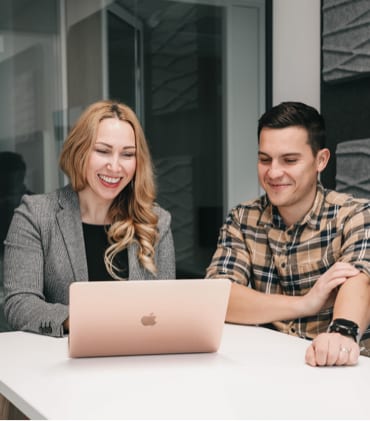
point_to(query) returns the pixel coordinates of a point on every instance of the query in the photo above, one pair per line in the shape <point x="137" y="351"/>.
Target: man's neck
<point x="293" y="214"/>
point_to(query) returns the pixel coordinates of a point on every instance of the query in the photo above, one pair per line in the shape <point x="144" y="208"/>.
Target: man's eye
<point x="290" y="161"/>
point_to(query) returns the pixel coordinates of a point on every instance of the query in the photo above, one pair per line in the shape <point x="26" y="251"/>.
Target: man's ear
<point x="322" y="159"/>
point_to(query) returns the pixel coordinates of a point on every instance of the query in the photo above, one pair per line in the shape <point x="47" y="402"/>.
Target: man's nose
<point x="275" y="170"/>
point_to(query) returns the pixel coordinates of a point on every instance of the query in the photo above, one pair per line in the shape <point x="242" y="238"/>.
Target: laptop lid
<point x="146" y="317"/>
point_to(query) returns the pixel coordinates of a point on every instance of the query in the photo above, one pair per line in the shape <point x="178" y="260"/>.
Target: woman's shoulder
<point x="44" y="203"/>
<point x="164" y="217"/>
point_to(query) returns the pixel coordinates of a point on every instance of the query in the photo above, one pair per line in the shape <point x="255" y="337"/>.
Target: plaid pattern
<point x="256" y="248"/>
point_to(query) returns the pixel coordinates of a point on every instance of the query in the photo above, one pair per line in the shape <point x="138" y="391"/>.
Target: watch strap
<point x="345" y="327"/>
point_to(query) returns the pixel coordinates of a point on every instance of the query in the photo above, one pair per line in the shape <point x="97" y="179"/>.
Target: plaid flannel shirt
<point x="256" y="248"/>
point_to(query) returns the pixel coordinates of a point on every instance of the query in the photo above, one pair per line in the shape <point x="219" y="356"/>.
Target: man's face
<point x="287" y="170"/>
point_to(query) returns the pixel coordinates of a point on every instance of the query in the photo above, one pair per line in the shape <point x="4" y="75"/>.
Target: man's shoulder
<point x="335" y="198"/>
<point x="256" y="203"/>
<point x="250" y="210"/>
<point x="344" y="208"/>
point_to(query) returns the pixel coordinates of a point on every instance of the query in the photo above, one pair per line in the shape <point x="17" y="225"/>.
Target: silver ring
<point x="344" y="349"/>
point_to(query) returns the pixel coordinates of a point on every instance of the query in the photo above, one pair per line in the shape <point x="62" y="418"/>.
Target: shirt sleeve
<point x="356" y="238"/>
<point x="231" y="259"/>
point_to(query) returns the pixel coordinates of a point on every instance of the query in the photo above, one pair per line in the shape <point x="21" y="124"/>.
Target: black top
<point x="96" y="242"/>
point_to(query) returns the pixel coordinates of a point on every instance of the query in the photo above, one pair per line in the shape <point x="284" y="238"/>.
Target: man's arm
<point x="248" y="306"/>
<point x="232" y="260"/>
<point x="352" y="303"/>
<point x="353" y="299"/>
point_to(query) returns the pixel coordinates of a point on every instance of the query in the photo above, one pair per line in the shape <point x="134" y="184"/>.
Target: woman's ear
<point x="322" y="159"/>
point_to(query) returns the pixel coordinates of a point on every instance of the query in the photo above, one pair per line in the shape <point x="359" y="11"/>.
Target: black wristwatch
<point x="345" y="327"/>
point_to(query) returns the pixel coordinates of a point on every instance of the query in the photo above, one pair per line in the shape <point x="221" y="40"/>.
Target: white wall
<point x="245" y="98"/>
<point x="296" y="51"/>
<point x="295" y="77"/>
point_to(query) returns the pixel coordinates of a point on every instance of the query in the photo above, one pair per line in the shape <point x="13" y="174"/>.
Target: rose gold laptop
<point x="146" y="317"/>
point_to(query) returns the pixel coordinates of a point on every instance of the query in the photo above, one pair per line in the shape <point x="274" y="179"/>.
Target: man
<point x="304" y="251"/>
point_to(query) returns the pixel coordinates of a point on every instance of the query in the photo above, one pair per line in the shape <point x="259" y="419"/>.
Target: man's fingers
<point x="310" y="356"/>
<point x="330" y="349"/>
<point x="340" y="270"/>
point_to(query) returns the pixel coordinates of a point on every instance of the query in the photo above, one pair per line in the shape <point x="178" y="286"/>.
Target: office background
<point x="198" y="74"/>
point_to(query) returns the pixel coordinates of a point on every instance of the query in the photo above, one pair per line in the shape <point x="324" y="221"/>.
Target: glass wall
<point x="30" y="98"/>
<point x="192" y="70"/>
<point x="163" y="58"/>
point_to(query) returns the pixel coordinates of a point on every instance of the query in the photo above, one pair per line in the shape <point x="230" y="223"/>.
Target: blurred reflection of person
<point x="12" y="188"/>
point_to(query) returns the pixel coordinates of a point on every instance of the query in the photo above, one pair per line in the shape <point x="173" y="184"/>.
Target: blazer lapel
<point x="69" y="220"/>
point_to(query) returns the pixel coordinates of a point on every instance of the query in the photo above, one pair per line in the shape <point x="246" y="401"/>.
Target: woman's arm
<point x="25" y="304"/>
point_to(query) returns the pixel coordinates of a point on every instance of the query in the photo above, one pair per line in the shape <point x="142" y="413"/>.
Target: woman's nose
<point x="114" y="163"/>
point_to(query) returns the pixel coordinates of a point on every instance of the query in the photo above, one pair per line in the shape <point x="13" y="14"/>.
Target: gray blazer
<point x="45" y="253"/>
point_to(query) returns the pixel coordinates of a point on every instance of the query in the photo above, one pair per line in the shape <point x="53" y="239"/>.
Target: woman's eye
<point x="128" y="155"/>
<point x="103" y="151"/>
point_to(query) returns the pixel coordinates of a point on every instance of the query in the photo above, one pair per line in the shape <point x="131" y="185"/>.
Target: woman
<point x="104" y="225"/>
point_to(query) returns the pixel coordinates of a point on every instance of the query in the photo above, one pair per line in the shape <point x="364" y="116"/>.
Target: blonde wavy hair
<point x="131" y="212"/>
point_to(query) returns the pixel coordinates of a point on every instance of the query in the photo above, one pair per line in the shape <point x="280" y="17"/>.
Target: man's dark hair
<point x="288" y="114"/>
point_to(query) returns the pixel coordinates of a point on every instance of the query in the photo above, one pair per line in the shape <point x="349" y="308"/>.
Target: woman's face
<point x="112" y="162"/>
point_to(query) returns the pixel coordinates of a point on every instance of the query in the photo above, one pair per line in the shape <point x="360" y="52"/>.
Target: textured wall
<point x="346" y="38"/>
<point x="353" y="167"/>
<point x="345" y="87"/>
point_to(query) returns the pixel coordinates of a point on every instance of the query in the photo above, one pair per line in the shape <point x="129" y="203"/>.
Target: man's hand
<point x="329" y="349"/>
<point x="323" y="293"/>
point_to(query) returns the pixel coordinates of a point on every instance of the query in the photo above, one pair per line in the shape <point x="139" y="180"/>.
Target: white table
<point x="257" y="374"/>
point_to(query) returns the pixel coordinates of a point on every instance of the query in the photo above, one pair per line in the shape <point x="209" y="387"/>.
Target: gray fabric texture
<point x="353" y="168"/>
<point x="45" y="253"/>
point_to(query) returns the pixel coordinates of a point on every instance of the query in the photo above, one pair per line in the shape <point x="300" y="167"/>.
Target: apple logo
<point x="149" y="320"/>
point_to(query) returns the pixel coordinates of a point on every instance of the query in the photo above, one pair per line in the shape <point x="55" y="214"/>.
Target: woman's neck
<point x="93" y="212"/>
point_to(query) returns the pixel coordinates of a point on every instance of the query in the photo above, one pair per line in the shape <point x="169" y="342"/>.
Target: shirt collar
<point x="271" y="217"/>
